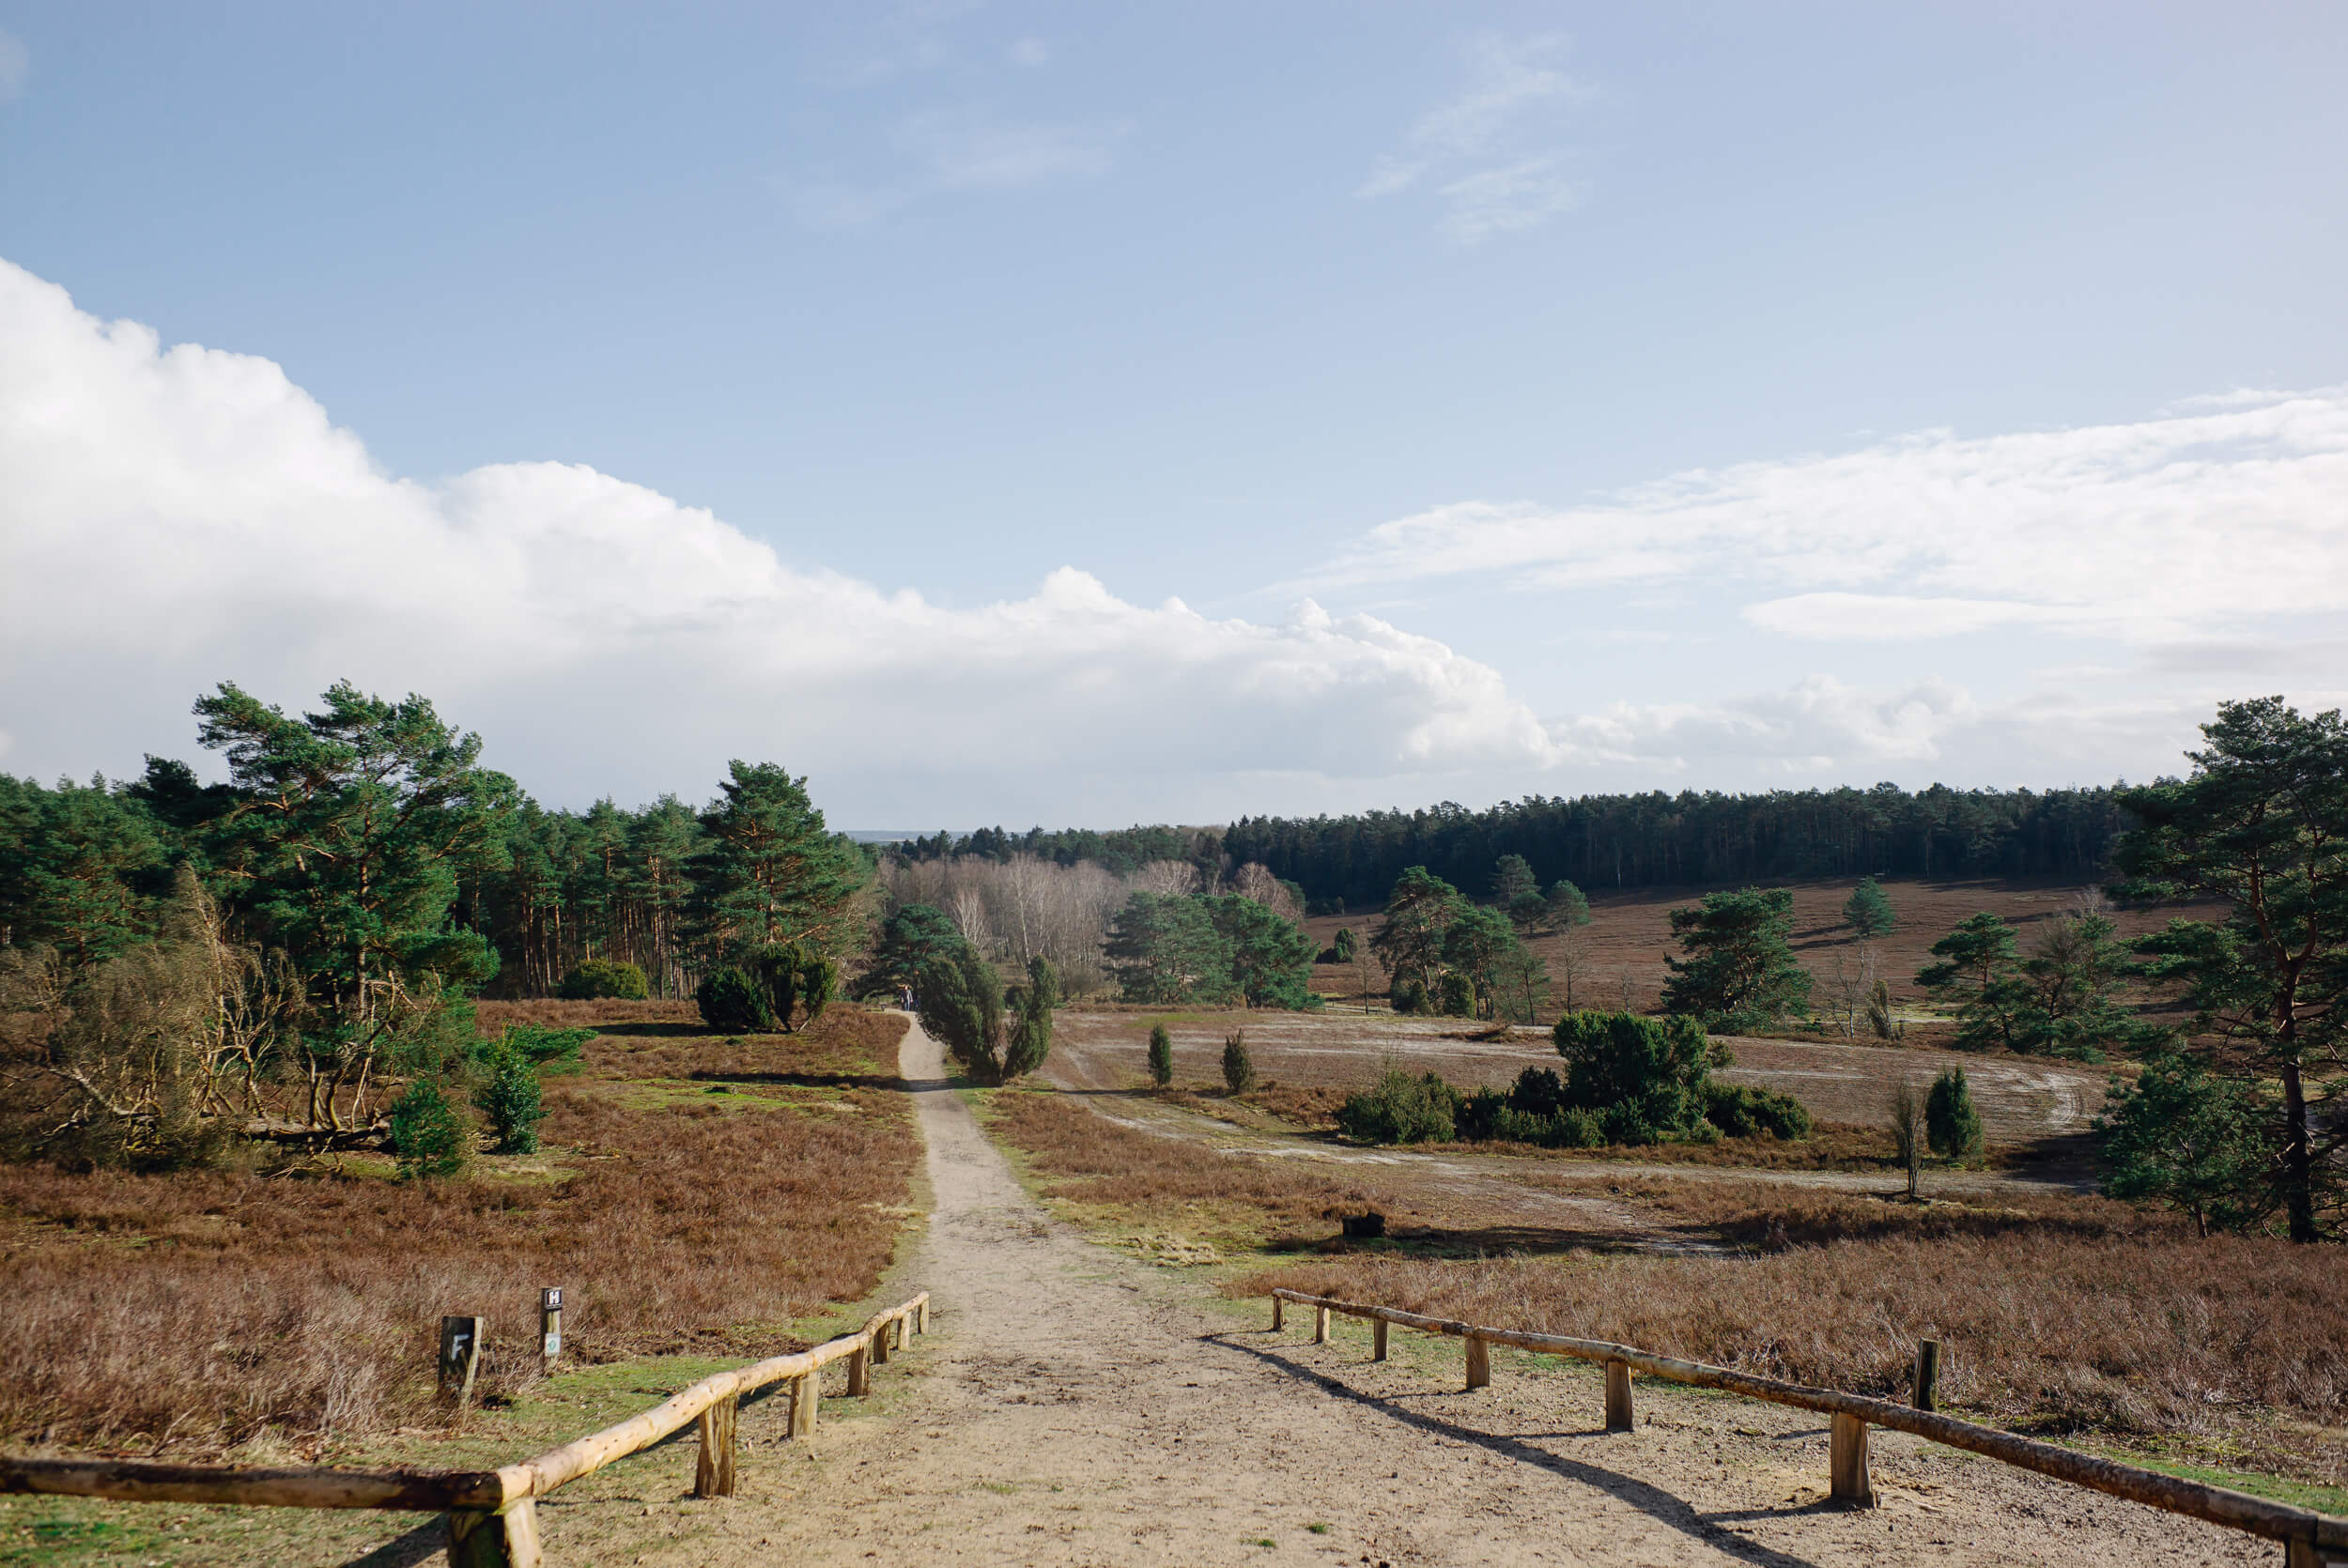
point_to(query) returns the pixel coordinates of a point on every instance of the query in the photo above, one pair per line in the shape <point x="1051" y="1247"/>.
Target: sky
<point x="1082" y="415"/>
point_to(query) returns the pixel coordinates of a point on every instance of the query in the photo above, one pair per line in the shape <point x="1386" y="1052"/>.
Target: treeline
<point x="1604" y="843"/>
<point x="1121" y="851"/>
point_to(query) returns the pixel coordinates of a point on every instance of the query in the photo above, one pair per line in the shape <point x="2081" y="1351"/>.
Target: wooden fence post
<point x="878" y="1344"/>
<point x="1320" y="1324"/>
<point x="921" y="1319"/>
<point x="507" y="1540"/>
<point x="550" y="1325"/>
<point x="1618" y="1416"/>
<point x="713" y="1473"/>
<point x="1927" y="1388"/>
<point x="1276" y="1305"/>
<point x="1376" y="1339"/>
<point x="859" y="1372"/>
<point x="461" y="1358"/>
<point x="2303" y="1554"/>
<point x="806" y="1389"/>
<point x="1479" y="1362"/>
<point x="1846" y="1462"/>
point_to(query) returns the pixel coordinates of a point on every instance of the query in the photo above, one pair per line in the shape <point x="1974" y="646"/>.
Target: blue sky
<point x="1722" y="396"/>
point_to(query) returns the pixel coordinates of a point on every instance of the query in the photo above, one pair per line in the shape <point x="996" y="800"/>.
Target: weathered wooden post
<point x="713" y="1473"/>
<point x="506" y="1540"/>
<point x="1376" y="1339"/>
<point x="550" y="1325"/>
<point x="1847" y="1481"/>
<point x="1276" y="1305"/>
<point x="1927" y="1375"/>
<point x="1479" y="1362"/>
<point x="879" y="1344"/>
<point x="806" y="1389"/>
<point x="859" y="1372"/>
<point x="1618" y="1418"/>
<point x="460" y="1359"/>
<point x="921" y="1316"/>
<point x="1320" y="1324"/>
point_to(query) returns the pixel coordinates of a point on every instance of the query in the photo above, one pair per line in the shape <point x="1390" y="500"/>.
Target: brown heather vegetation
<point x="192" y="1311"/>
<point x="2046" y="1329"/>
<point x="1093" y="1160"/>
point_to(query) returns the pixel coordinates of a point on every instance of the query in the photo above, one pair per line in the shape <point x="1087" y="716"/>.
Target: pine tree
<point x="1419" y="912"/>
<point x="770" y="872"/>
<point x="1239" y="1073"/>
<point x="1980" y="972"/>
<point x="1161" y="1055"/>
<point x="2262" y="826"/>
<point x="1739" y="973"/>
<point x="1952" y="1126"/>
<point x="1867" y="911"/>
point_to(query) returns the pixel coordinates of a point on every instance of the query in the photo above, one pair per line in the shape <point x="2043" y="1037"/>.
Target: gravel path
<point x="1074" y="1407"/>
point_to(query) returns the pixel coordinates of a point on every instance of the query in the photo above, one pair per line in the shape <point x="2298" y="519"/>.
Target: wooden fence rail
<point x="493" y="1517"/>
<point x="2310" y="1539"/>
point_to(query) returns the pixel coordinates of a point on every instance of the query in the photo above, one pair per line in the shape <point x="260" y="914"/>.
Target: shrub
<point x="595" y="979"/>
<point x="1646" y="1079"/>
<point x="730" y="999"/>
<point x="509" y="1097"/>
<point x="1952" y="1126"/>
<point x="1458" y="993"/>
<point x="819" y="982"/>
<point x="1408" y="997"/>
<point x="550" y="1049"/>
<point x="1031" y="1037"/>
<point x="1239" y="1073"/>
<point x="1741" y="1110"/>
<point x="1400" y="1109"/>
<point x="962" y="1004"/>
<point x="1343" y="949"/>
<point x="427" y="1132"/>
<point x="1161" y="1055"/>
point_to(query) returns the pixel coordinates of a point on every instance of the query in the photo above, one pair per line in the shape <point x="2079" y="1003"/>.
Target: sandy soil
<point x="1074" y="1406"/>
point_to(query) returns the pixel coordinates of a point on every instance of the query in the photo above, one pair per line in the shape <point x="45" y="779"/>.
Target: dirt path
<point x="1074" y="1406"/>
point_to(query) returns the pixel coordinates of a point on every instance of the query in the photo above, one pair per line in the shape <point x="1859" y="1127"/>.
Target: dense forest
<point x="1614" y="841"/>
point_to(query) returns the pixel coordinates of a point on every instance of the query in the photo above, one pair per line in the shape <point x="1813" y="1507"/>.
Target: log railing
<point x="2310" y="1539"/>
<point x="492" y="1517"/>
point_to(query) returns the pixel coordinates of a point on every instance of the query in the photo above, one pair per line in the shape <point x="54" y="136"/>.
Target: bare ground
<point x="1074" y="1407"/>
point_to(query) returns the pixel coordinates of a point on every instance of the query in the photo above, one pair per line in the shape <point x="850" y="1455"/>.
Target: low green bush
<point x="1400" y="1109"/>
<point x="1741" y="1110"/>
<point x="595" y="979"/>
<point x="427" y="1134"/>
<point x="731" y="999"/>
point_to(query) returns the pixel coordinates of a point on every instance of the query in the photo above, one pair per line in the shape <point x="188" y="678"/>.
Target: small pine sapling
<point x="1951" y="1125"/>
<point x="1239" y="1073"/>
<point x="1161" y="1055"/>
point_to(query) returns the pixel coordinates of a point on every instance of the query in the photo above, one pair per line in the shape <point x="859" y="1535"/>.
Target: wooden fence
<point x="2310" y="1539"/>
<point x="492" y="1517"/>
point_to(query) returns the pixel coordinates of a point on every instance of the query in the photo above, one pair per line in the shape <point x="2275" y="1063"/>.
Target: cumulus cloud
<point x="2197" y="521"/>
<point x="176" y="517"/>
<point x="1488" y="154"/>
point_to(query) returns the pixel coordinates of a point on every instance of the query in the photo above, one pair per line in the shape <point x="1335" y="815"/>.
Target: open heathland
<point x="1623" y="947"/>
<point x="691" y="1193"/>
<point x="2067" y="1313"/>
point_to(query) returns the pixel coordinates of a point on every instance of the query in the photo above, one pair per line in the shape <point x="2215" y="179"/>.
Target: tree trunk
<point x="2298" y="1162"/>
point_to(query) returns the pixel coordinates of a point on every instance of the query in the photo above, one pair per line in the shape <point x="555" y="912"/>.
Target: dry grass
<point x="1095" y="1161"/>
<point x="2046" y="1329"/>
<point x="196" y="1311"/>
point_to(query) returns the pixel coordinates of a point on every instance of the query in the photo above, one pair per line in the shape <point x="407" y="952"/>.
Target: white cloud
<point x="1488" y="153"/>
<point x="174" y="518"/>
<point x="15" y="65"/>
<point x="2187" y="523"/>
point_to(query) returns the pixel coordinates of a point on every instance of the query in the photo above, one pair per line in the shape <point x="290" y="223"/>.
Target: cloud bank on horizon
<point x="177" y="517"/>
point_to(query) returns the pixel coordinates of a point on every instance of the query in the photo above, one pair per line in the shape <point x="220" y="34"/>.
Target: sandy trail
<point x="1074" y="1407"/>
